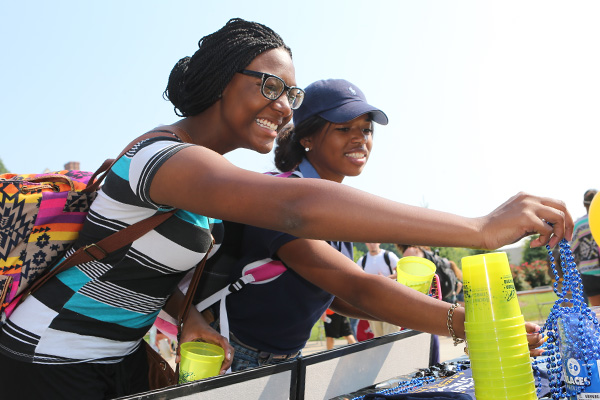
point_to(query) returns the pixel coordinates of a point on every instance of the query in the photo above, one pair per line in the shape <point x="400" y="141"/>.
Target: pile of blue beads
<point x="569" y="310"/>
<point x="403" y="387"/>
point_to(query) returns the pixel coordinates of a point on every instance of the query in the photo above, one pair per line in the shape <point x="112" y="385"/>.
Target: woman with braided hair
<point x="79" y="335"/>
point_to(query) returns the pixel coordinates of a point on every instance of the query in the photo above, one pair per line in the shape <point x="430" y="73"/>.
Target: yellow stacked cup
<point x="495" y="330"/>
<point x="415" y="272"/>
<point x="199" y="360"/>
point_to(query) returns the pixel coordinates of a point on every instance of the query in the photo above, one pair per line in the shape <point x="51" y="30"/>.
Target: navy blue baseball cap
<point x="337" y="101"/>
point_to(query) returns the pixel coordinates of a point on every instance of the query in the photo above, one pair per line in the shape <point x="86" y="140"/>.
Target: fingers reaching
<point x="524" y="215"/>
<point x="534" y="339"/>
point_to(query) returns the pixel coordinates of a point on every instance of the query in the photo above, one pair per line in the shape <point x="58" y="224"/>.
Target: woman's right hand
<point x="523" y="215"/>
<point x="196" y="328"/>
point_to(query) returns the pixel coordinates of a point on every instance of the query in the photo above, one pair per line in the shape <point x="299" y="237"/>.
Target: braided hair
<point x="289" y="152"/>
<point x="196" y="82"/>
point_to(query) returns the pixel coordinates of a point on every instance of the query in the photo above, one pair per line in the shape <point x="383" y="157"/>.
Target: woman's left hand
<point x="534" y="339"/>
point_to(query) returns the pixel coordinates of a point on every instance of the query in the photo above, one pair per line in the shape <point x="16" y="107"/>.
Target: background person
<point x="379" y="262"/>
<point x="336" y="326"/>
<point x="460" y="296"/>
<point x="585" y="251"/>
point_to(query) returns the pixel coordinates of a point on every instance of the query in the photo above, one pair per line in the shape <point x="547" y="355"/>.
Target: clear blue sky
<point x="485" y="99"/>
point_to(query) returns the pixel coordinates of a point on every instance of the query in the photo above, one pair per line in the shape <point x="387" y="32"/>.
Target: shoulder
<point x="581" y="225"/>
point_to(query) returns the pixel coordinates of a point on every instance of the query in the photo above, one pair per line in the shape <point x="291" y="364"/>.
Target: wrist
<point x="455" y="323"/>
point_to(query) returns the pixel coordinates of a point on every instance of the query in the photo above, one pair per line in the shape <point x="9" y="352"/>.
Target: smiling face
<point x="341" y="150"/>
<point x="250" y="120"/>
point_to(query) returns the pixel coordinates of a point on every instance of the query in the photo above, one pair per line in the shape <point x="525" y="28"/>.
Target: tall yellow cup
<point x="489" y="289"/>
<point x="495" y="330"/>
<point x="199" y="360"/>
<point x="415" y="272"/>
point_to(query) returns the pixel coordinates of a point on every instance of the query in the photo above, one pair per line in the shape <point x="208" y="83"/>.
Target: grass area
<point x="314" y="333"/>
<point x="529" y="305"/>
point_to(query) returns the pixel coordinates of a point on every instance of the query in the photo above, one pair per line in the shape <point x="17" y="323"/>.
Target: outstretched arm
<point x="199" y="180"/>
<point x="384" y="299"/>
<point x="344" y="308"/>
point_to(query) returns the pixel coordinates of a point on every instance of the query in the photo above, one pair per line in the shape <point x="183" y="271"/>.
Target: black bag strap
<point x="386" y="257"/>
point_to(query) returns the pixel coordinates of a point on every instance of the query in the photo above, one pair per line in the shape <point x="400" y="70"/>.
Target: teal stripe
<point x="73" y="278"/>
<point x="106" y="313"/>
<point x="194" y="219"/>
<point x="121" y="168"/>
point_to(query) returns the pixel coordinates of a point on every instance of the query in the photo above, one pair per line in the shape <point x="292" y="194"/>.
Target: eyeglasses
<point x="273" y="87"/>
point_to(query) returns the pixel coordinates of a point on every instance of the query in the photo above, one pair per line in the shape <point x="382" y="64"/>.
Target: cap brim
<point x="354" y="109"/>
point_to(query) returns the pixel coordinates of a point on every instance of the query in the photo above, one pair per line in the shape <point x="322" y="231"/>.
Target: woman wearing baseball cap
<point x="270" y="321"/>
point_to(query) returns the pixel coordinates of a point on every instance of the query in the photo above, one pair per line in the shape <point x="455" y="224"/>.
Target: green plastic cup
<point x="415" y="272"/>
<point x="498" y="362"/>
<point x="199" y="360"/>
<point x="495" y="324"/>
<point x="507" y="381"/>
<point x="531" y="395"/>
<point x="497" y="341"/>
<point x="525" y="391"/>
<point x="498" y="351"/>
<point x="487" y="373"/>
<point x="489" y="289"/>
<point x="480" y="335"/>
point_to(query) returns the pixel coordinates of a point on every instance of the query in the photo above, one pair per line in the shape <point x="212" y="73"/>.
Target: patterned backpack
<point x="40" y="218"/>
<point x="42" y="215"/>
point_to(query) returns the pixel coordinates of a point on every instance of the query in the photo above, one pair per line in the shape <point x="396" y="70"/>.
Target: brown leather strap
<point x="98" y="251"/>
<point x="192" y="289"/>
<point x="187" y="301"/>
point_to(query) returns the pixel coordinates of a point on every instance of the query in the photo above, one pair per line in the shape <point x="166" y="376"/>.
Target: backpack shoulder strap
<point x="98" y="251"/>
<point x="386" y="257"/>
<point x="364" y="261"/>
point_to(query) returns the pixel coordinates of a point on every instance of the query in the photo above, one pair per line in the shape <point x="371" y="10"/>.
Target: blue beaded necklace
<point x="403" y="387"/>
<point x="582" y="343"/>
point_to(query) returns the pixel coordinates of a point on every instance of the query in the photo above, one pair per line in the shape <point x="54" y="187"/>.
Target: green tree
<point x="358" y="253"/>
<point x="538" y="253"/>
<point x="455" y="253"/>
<point x="3" y="169"/>
<point x="390" y="247"/>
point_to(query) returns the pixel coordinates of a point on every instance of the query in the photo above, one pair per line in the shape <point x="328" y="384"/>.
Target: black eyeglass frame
<point x="264" y="76"/>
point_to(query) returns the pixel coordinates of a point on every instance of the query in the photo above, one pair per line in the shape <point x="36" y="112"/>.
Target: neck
<point x="205" y="131"/>
<point x="374" y="252"/>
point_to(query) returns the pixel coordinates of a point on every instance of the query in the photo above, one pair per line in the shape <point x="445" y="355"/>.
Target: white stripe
<point x="117" y="296"/>
<point x="141" y="158"/>
<point x="149" y="263"/>
<point x="175" y="256"/>
<point x="94" y="269"/>
<point x="121" y="212"/>
<point x="33" y="316"/>
<point x="80" y="347"/>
